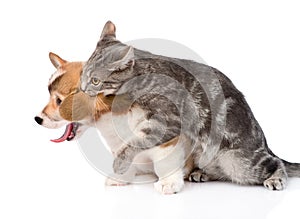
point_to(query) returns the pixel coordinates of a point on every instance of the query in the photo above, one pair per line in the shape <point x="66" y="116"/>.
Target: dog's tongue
<point x="65" y="136"/>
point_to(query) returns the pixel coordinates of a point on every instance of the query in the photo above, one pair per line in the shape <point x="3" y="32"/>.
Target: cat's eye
<point x="58" y="101"/>
<point x="95" y="81"/>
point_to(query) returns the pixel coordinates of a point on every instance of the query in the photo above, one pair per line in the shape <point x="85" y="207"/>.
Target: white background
<point x="255" y="43"/>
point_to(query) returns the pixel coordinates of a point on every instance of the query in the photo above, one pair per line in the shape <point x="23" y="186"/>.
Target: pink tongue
<point x="65" y="136"/>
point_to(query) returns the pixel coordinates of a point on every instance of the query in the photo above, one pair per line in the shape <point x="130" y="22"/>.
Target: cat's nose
<point x="83" y="86"/>
<point x="38" y="120"/>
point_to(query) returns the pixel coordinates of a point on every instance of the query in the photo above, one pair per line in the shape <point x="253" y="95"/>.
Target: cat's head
<point x="109" y="66"/>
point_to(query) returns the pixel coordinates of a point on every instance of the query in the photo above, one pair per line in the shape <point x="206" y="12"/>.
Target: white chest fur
<point x="117" y="130"/>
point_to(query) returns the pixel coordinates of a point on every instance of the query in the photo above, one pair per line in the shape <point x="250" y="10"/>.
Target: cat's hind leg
<point x="277" y="181"/>
<point x="269" y="170"/>
<point x="253" y="168"/>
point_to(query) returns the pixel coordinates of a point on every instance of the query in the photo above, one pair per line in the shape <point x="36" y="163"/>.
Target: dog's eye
<point x="58" y="101"/>
<point x="95" y="81"/>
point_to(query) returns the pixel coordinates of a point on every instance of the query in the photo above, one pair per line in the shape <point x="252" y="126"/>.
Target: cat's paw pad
<point x="275" y="183"/>
<point x="198" y="176"/>
<point x="115" y="181"/>
<point x="168" y="187"/>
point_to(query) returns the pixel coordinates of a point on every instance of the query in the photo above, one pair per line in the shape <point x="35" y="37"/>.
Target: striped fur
<point x="185" y="98"/>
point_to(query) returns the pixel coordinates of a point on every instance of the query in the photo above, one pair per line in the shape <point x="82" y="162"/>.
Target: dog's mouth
<point x="69" y="134"/>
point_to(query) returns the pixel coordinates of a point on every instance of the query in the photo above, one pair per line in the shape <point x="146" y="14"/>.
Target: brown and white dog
<point x="69" y="106"/>
<point x="67" y="103"/>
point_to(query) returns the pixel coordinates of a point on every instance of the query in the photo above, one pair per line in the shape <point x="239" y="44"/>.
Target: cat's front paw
<point x="275" y="183"/>
<point x="168" y="187"/>
<point x="115" y="180"/>
<point x="198" y="176"/>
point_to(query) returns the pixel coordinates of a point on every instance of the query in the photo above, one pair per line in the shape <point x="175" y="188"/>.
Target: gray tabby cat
<point x="186" y="99"/>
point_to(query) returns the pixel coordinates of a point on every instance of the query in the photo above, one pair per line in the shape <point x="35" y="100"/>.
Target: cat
<point x="185" y="98"/>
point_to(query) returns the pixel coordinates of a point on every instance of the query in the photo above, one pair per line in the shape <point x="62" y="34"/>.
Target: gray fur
<point x="193" y="99"/>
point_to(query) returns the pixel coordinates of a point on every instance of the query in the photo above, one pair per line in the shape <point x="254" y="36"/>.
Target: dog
<point x="62" y="86"/>
<point x="71" y="107"/>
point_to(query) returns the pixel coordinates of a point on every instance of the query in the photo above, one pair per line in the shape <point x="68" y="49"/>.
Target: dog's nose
<point x="39" y="120"/>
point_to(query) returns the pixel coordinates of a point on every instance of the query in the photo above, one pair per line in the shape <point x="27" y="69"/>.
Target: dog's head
<point x="67" y="104"/>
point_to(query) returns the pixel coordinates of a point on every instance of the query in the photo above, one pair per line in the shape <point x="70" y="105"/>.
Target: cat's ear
<point x="56" y="60"/>
<point x="126" y="58"/>
<point x="109" y="30"/>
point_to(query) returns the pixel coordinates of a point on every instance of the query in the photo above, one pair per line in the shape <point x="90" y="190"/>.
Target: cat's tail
<point x="292" y="169"/>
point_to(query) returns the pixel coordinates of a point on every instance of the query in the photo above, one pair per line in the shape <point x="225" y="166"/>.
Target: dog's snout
<point x="38" y="120"/>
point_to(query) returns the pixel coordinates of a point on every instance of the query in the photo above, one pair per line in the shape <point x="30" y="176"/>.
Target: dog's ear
<point x="76" y="107"/>
<point x="56" y="60"/>
<point x="109" y="29"/>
